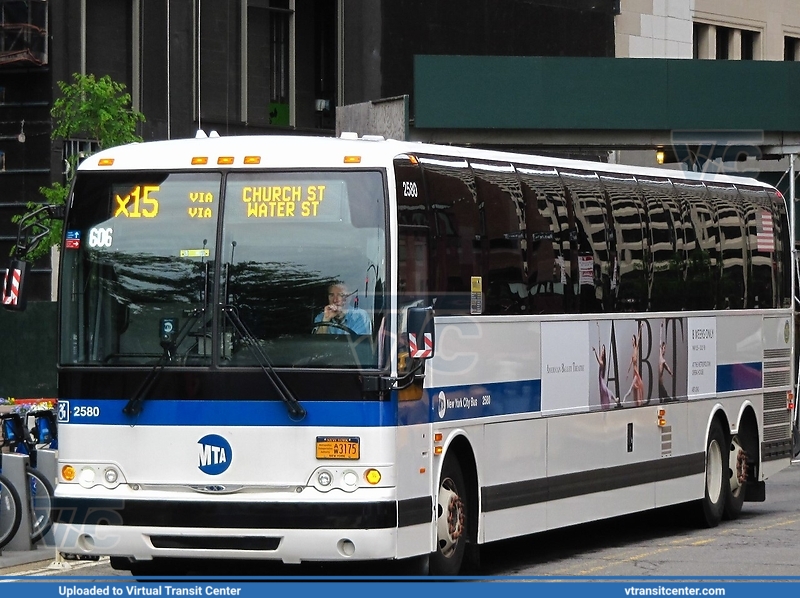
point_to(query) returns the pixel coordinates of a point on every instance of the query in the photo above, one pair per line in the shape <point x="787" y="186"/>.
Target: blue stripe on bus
<point x="462" y="402"/>
<point x="230" y="413"/>
<point x="739" y="376"/>
<point x="477" y="400"/>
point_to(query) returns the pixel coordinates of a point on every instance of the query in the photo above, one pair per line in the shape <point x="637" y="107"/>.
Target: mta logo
<point x="214" y="454"/>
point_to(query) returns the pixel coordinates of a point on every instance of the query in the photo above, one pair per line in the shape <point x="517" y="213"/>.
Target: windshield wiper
<point x="296" y="410"/>
<point x="170" y="341"/>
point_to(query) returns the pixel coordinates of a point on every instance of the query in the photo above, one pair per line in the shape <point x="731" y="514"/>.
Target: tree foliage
<point x="89" y="108"/>
<point x="97" y="108"/>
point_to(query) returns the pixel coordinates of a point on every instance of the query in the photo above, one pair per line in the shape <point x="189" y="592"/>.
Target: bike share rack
<point x="14" y="468"/>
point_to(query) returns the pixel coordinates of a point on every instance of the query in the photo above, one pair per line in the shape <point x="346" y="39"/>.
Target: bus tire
<point x="451" y="520"/>
<point x="737" y="474"/>
<point x="717" y="487"/>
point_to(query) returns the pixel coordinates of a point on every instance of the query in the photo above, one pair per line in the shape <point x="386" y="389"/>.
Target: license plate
<point x="338" y="448"/>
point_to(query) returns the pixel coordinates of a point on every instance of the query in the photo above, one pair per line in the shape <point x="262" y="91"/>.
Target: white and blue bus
<point x="514" y="344"/>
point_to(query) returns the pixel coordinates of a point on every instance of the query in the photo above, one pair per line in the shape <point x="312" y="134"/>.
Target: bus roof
<point x="284" y="151"/>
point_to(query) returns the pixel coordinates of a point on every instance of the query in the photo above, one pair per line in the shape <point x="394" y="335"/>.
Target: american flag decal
<point x="420" y="352"/>
<point x="11" y="294"/>
<point x="765" y="232"/>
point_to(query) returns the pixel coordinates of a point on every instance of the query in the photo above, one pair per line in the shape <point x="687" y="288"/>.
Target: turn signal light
<point x="68" y="473"/>
<point x="373" y="476"/>
<point x="662" y="421"/>
<point x="790" y="401"/>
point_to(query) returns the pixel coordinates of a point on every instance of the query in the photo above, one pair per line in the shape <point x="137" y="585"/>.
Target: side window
<point x="595" y="241"/>
<point x="413" y="247"/>
<point x="629" y="263"/>
<point x="457" y="235"/>
<point x="783" y="252"/>
<point x="414" y="231"/>
<point x="735" y="262"/>
<point x="701" y="243"/>
<point x="502" y="209"/>
<point x="666" y="234"/>
<point x="549" y="254"/>
<point x="760" y="240"/>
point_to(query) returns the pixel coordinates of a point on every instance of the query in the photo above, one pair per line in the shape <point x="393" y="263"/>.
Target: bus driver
<point x="342" y="318"/>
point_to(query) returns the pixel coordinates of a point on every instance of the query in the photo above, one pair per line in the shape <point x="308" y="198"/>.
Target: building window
<point x="791" y="46"/>
<point x="697" y="35"/>
<point x="723" y="43"/>
<point x="749" y="39"/>
<point x="279" y="52"/>
<point x="265" y="62"/>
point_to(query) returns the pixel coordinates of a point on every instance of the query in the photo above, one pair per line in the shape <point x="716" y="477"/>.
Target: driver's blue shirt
<point x="355" y="319"/>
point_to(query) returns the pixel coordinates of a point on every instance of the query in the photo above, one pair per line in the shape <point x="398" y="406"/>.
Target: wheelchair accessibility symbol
<point x="63" y="411"/>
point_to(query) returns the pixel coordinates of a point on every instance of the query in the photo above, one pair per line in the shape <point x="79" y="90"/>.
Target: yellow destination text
<point x="283" y="201"/>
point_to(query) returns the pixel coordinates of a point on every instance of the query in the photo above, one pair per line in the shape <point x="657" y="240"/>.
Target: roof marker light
<point x="225" y="160"/>
<point x="352" y="159"/>
<point x="105" y="162"/>
<point x="199" y="160"/>
<point x="252" y="159"/>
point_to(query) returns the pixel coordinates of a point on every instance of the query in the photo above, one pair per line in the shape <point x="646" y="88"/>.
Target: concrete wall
<point x="664" y="28"/>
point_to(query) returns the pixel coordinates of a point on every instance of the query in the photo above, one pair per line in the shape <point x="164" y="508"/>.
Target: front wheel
<point x="451" y="521"/>
<point x="717" y="486"/>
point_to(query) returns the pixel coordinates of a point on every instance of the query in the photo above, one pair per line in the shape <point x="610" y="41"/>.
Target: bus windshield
<point x="143" y="281"/>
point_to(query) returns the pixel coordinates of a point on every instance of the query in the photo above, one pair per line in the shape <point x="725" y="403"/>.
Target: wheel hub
<point x="450" y="524"/>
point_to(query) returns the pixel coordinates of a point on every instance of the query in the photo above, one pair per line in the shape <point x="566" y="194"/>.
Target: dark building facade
<point x="245" y="66"/>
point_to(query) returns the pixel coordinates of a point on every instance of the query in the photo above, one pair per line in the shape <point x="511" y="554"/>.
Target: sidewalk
<point x="12" y="561"/>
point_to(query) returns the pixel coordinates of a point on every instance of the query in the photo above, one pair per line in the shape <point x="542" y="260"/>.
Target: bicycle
<point x="18" y="438"/>
<point x="10" y="509"/>
<point x="45" y="429"/>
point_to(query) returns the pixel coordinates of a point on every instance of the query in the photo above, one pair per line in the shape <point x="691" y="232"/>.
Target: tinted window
<point x="457" y="248"/>
<point x="502" y="210"/>
<point x="595" y="240"/>
<point x="629" y="262"/>
<point x="550" y="243"/>
<point x="702" y="244"/>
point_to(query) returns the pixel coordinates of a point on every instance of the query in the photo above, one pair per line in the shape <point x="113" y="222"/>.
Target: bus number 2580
<point x="84" y="411"/>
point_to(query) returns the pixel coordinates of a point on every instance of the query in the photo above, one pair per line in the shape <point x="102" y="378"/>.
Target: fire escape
<point x="23" y="32"/>
<point x="25" y="123"/>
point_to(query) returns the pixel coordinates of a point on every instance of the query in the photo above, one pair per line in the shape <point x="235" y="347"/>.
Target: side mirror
<point x="14" y="296"/>
<point x="421" y="332"/>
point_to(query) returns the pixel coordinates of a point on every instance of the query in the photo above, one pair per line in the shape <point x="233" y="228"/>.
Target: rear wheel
<point x="451" y="520"/>
<point x="10" y="511"/>
<point x="717" y="489"/>
<point x="737" y="472"/>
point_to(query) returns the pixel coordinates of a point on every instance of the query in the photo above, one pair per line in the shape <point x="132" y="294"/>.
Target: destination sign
<point x="147" y="201"/>
<point x="284" y="201"/>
